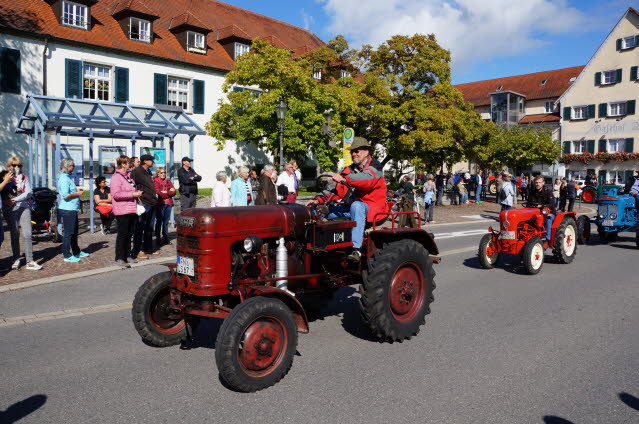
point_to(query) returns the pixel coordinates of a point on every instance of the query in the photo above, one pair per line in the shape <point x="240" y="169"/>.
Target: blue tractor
<point x="616" y="213"/>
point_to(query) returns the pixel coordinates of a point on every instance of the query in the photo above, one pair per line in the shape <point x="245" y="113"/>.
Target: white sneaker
<point x="16" y="264"/>
<point x="102" y="230"/>
<point x="33" y="266"/>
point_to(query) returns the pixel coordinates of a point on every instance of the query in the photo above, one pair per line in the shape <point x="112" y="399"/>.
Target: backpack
<point x="502" y="194"/>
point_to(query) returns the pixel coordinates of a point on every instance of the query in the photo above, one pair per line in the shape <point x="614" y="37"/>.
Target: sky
<point x="487" y="38"/>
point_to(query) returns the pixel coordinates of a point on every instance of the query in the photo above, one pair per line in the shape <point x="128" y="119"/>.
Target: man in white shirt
<point x="221" y="197"/>
<point x="478" y="186"/>
<point x="288" y="179"/>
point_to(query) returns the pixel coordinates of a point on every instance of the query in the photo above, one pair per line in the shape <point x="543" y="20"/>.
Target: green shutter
<point x="618" y="44"/>
<point x="121" y="85"/>
<point x="602" y="177"/>
<point x="10" y="70"/>
<point x="567" y="114"/>
<point x="630" y="145"/>
<point x="619" y="75"/>
<point x="630" y="107"/>
<point x="198" y="96"/>
<point x="567" y="174"/>
<point x="636" y="40"/>
<point x="566" y="146"/>
<point x="633" y="73"/>
<point x="603" y="110"/>
<point x="590" y="146"/>
<point x="73" y="80"/>
<point x="160" y="93"/>
<point x="628" y="174"/>
<point x="597" y="78"/>
<point x="591" y="171"/>
<point x="602" y="146"/>
<point x="591" y="111"/>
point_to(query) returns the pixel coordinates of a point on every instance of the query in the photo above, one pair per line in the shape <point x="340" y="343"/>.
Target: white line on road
<point x="460" y="234"/>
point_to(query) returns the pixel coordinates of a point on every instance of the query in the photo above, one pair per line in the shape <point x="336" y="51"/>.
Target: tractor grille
<point x="607" y="209"/>
<point x="187" y="242"/>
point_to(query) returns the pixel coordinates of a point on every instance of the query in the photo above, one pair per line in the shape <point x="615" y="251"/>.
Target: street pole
<point x="281" y="146"/>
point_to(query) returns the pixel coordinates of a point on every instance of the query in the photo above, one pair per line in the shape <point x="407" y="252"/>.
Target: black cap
<point x="187" y="158"/>
<point x="146" y="157"/>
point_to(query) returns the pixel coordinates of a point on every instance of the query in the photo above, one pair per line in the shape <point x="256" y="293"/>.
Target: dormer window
<point x="344" y="74"/>
<point x="140" y="30"/>
<point x="543" y="82"/>
<point x="195" y="42"/>
<point x="75" y="15"/>
<point x="240" y="49"/>
<point x="499" y="88"/>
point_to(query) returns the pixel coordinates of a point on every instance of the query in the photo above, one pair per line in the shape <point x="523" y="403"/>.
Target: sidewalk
<point x="101" y="247"/>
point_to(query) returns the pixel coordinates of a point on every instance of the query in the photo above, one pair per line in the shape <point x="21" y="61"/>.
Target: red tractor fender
<point x="385" y="235"/>
<point x="559" y="217"/>
<point x="289" y="300"/>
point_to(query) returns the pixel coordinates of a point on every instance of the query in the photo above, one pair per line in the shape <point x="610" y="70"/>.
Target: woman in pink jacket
<point x="124" y="196"/>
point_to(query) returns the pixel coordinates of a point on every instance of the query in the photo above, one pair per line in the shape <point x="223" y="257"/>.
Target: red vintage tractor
<point x="522" y="232"/>
<point x="250" y="266"/>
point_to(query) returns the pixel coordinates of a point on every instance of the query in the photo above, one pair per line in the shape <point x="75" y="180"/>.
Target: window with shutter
<point x="567" y="111"/>
<point x="633" y="73"/>
<point x="591" y="111"/>
<point x="603" y="110"/>
<point x="75" y="15"/>
<point x="602" y="146"/>
<point x="630" y="145"/>
<point x="618" y="44"/>
<point x="630" y="107"/>
<point x="628" y="42"/>
<point x="617" y="108"/>
<point x="73" y="78"/>
<point x="121" y="85"/>
<point x="198" y="96"/>
<point x="579" y="112"/>
<point x="566" y="146"/>
<point x="160" y="95"/>
<point x="609" y="77"/>
<point x="597" y="78"/>
<point x="10" y="70"/>
<point x="96" y="82"/>
<point x="619" y="75"/>
<point x="591" y="146"/>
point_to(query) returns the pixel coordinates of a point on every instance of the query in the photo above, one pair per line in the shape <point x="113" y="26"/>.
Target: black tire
<point x="565" y="247"/>
<point x="486" y="261"/>
<point x="151" y="316"/>
<point x="275" y="323"/>
<point x="532" y="263"/>
<point x="612" y="236"/>
<point x="602" y="234"/>
<point x="397" y="290"/>
<point x="583" y="229"/>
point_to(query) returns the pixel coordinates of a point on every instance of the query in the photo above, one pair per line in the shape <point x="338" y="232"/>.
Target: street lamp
<point x="280" y="111"/>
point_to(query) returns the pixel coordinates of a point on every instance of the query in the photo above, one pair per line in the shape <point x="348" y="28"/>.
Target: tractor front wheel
<point x="566" y="241"/>
<point x="488" y="253"/>
<point x="588" y="195"/>
<point x="153" y="319"/>
<point x="533" y="255"/>
<point x="256" y="344"/>
<point x="583" y="229"/>
<point x="397" y="290"/>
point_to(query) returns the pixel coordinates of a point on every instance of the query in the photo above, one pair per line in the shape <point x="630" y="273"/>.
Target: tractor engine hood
<point x="263" y="221"/>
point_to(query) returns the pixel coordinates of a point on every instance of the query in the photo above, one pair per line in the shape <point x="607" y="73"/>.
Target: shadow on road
<point x="624" y="246"/>
<point x="551" y="419"/>
<point x="508" y="263"/>
<point x="629" y="400"/>
<point x="21" y="409"/>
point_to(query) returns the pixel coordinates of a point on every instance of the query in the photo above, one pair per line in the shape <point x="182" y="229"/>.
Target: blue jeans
<point x="69" y="233"/>
<point x="357" y="212"/>
<point x="549" y="219"/>
<point x="161" y="221"/>
<point x="478" y="194"/>
<point x="505" y="207"/>
<point x="143" y="236"/>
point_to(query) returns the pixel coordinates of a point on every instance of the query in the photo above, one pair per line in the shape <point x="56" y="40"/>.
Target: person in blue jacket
<point x="241" y="191"/>
<point x="68" y="208"/>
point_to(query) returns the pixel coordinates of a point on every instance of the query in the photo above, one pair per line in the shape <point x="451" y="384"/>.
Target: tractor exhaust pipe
<point x="281" y="264"/>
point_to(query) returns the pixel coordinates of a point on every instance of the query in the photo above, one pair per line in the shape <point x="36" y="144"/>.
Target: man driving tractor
<point x="366" y="177"/>
<point x="541" y="196"/>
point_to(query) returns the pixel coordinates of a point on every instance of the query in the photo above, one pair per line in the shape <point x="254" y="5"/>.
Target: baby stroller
<point x="44" y="201"/>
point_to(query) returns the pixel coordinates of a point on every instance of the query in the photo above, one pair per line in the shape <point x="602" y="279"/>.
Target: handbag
<point x="140" y="209"/>
<point x="104" y="209"/>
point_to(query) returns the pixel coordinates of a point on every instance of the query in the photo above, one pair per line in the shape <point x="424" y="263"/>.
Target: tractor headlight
<point x="602" y="215"/>
<point x="252" y="244"/>
<point x="613" y="216"/>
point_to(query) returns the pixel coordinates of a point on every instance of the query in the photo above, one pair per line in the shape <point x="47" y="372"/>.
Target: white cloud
<point x="475" y="31"/>
<point x="307" y="19"/>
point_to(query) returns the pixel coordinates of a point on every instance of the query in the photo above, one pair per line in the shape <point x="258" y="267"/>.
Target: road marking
<point x="460" y="250"/>
<point x="67" y="313"/>
<point x="460" y="234"/>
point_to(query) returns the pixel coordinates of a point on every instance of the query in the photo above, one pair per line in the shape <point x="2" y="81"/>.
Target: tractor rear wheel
<point x="492" y="187"/>
<point x="565" y="247"/>
<point x="397" y="290"/>
<point x="583" y="229"/>
<point x="256" y="344"/>
<point x="533" y="255"/>
<point x="488" y="253"/>
<point x="152" y="317"/>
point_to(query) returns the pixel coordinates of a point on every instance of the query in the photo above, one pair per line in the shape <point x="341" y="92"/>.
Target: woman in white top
<point x="221" y="197"/>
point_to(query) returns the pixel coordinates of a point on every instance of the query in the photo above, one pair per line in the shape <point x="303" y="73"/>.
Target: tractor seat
<point x="383" y="219"/>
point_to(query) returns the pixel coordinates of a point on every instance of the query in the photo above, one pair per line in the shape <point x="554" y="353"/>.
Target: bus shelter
<point x="92" y="119"/>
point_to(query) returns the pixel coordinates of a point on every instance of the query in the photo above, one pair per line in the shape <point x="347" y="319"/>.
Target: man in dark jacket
<point x="571" y="193"/>
<point x="188" y="180"/>
<point x="439" y="187"/>
<point x="143" y="231"/>
<point x="539" y="196"/>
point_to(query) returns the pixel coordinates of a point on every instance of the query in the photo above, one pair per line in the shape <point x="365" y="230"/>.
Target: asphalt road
<point x="499" y="347"/>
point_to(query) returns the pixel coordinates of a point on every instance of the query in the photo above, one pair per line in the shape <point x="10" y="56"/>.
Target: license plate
<point x="186" y="266"/>
<point x="608" y="223"/>
<point x="507" y="235"/>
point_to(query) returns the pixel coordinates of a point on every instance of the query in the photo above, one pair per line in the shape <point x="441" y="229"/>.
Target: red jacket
<point x="369" y="187"/>
<point x="161" y="185"/>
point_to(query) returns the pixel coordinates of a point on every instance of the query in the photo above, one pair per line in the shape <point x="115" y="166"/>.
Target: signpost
<point x="107" y="158"/>
<point x="75" y="152"/>
<point x="347" y="140"/>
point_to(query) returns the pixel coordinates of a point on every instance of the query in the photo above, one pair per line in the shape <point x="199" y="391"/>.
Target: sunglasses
<point x="19" y="166"/>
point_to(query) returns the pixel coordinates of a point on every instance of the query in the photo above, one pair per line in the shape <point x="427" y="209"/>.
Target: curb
<point x="58" y="278"/>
